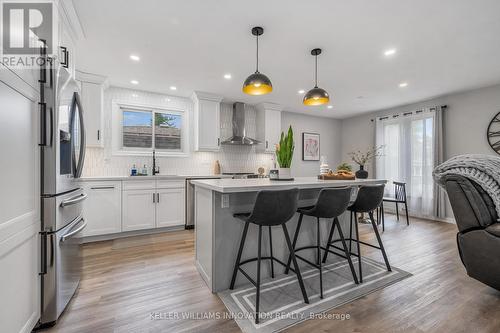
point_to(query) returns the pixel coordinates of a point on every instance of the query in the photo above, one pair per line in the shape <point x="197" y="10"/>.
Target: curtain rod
<point x="442" y="107"/>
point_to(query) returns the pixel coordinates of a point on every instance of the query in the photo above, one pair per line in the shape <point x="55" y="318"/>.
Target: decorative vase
<point x="284" y="173"/>
<point x="362" y="173"/>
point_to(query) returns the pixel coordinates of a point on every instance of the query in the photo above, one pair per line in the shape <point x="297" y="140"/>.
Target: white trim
<point x="92" y="78"/>
<point x="116" y="131"/>
<point x="269" y="106"/>
<point x="197" y="95"/>
<point x="72" y="19"/>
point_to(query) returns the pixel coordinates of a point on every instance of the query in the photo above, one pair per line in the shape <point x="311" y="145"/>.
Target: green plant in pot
<point x="284" y="153"/>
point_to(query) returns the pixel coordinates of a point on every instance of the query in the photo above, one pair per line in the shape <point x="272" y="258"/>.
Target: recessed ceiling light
<point x="227" y="76"/>
<point x="301" y="91"/>
<point x="167" y="99"/>
<point x="135" y="95"/>
<point x="389" y="52"/>
<point x="173" y="88"/>
<point x="330" y="106"/>
<point x="135" y="57"/>
<point x="403" y="84"/>
<point x="134" y="82"/>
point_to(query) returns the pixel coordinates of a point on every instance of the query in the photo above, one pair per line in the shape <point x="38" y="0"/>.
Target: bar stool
<point x="271" y="208"/>
<point x="367" y="200"/>
<point x="331" y="203"/>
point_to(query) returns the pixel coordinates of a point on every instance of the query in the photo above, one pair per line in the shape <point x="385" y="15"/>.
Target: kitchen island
<point x="218" y="233"/>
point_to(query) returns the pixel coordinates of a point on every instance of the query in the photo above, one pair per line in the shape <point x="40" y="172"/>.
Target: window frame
<point x="117" y="130"/>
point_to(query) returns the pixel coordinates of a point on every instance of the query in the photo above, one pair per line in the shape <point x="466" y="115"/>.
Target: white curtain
<point x="412" y="148"/>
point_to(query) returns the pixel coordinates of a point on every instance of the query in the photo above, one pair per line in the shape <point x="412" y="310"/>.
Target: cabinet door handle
<point x="218" y="141"/>
<point x="267" y="144"/>
<point x="157" y="197"/>
<point x="154" y="200"/>
<point x="98" y="135"/>
<point x="102" y="188"/>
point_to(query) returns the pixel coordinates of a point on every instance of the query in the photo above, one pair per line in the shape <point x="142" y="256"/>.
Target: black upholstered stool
<point x="367" y="200"/>
<point x="272" y="208"/>
<point x="331" y="203"/>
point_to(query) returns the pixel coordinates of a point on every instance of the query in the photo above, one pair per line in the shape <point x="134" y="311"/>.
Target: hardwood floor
<point x="125" y="281"/>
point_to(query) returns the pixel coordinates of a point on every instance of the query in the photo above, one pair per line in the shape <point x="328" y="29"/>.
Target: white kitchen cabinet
<point x="138" y="209"/>
<point x="103" y="208"/>
<point x="206" y="121"/>
<point x="170" y="207"/>
<point x="92" y="103"/>
<point x="268" y="124"/>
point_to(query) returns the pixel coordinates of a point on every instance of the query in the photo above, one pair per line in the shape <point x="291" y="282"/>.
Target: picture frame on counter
<point x="310" y="146"/>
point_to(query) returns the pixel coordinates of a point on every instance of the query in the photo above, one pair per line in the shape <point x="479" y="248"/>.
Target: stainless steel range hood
<point x="239" y="132"/>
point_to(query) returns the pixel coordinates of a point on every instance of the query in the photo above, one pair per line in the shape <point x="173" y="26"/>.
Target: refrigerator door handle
<point x="73" y="232"/>
<point x="43" y="262"/>
<point x="78" y="165"/>
<point x="74" y="200"/>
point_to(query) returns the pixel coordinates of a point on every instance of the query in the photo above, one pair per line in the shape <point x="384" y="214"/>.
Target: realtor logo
<point x="25" y="26"/>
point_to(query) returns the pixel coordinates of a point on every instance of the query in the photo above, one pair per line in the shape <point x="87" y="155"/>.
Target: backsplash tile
<point x="101" y="162"/>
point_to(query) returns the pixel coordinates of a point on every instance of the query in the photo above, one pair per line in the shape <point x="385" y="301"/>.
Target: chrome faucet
<point x="156" y="169"/>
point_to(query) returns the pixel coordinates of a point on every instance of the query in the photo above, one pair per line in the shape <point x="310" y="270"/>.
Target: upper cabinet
<point x="93" y="87"/>
<point x="206" y="121"/>
<point x="66" y="31"/>
<point x="268" y="126"/>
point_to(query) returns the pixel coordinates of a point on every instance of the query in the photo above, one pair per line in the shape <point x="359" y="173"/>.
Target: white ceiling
<point x="442" y="46"/>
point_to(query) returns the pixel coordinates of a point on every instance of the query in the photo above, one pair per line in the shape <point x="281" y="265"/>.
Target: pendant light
<point x="316" y="96"/>
<point x="257" y="83"/>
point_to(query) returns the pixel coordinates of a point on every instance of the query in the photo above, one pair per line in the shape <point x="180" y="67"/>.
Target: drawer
<point x="170" y="183"/>
<point x="138" y="184"/>
<point x="103" y="185"/>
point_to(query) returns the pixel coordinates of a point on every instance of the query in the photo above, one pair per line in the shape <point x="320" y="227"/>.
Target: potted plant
<point x="362" y="158"/>
<point x="284" y="154"/>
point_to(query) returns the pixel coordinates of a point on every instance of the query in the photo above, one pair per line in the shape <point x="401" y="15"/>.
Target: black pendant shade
<point x="316" y="96"/>
<point x="257" y="83"/>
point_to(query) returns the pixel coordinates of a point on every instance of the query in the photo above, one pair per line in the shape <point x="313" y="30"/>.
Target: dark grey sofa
<point x="478" y="238"/>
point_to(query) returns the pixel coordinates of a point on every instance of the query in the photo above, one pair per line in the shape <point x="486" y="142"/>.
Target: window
<point x="139" y="130"/>
<point x="409" y="157"/>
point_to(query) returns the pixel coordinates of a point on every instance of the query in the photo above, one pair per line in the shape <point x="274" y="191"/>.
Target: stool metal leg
<point x="380" y="242"/>
<point x="257" y="301"/>
<point x="295" y="265"/>
<point x="350" y="234"/>
<point x="347" y="254"/>
<point x="359" y="251"/>
<point x="318" y="257"/>
<point x="397" y="212"/>
<point x="295" y="237"/>
<point x="238" y="257"/>
<point x="330" y="237"/>
<point x="382" y="215"/>
<point x="271" y="251"/>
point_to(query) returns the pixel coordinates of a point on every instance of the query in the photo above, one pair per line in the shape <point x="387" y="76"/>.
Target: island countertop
<point x="257" y="184"/>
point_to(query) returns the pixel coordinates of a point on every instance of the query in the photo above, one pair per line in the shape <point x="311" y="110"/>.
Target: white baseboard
<point x="99" y="238"/>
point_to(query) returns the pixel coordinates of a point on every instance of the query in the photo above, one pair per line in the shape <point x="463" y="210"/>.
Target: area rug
<point x="281" y="302"/>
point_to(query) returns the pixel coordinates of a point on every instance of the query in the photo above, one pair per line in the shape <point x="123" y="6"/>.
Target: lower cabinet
<point x="138" y="209"/>
<point x="103" y="208"/>
<point x="170" y="207"/>
<point x="119" y="206"/>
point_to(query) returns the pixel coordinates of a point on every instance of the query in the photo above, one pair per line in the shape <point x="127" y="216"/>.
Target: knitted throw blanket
<point x="482" y="169"/>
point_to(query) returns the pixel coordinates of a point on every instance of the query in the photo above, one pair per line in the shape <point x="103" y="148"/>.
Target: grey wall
<point x="465" y="122"/>
<point x="330" y="140"/>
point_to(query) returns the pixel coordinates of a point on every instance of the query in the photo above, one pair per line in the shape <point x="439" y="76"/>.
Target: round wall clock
<point x="493" y="133"/>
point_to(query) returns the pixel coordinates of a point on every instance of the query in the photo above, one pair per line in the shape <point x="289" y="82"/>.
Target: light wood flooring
<point x="126" y="280"/>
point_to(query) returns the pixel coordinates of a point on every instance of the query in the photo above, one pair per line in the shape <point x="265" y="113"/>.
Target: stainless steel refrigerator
<point x="62" y="144"/>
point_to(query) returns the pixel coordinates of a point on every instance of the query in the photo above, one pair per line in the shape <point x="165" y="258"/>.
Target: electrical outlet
<point x="225" y="201"/>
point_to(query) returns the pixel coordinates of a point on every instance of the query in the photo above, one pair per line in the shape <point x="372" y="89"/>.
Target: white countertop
<point x="161" y="177"/>
<point x="252" y="185"/>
